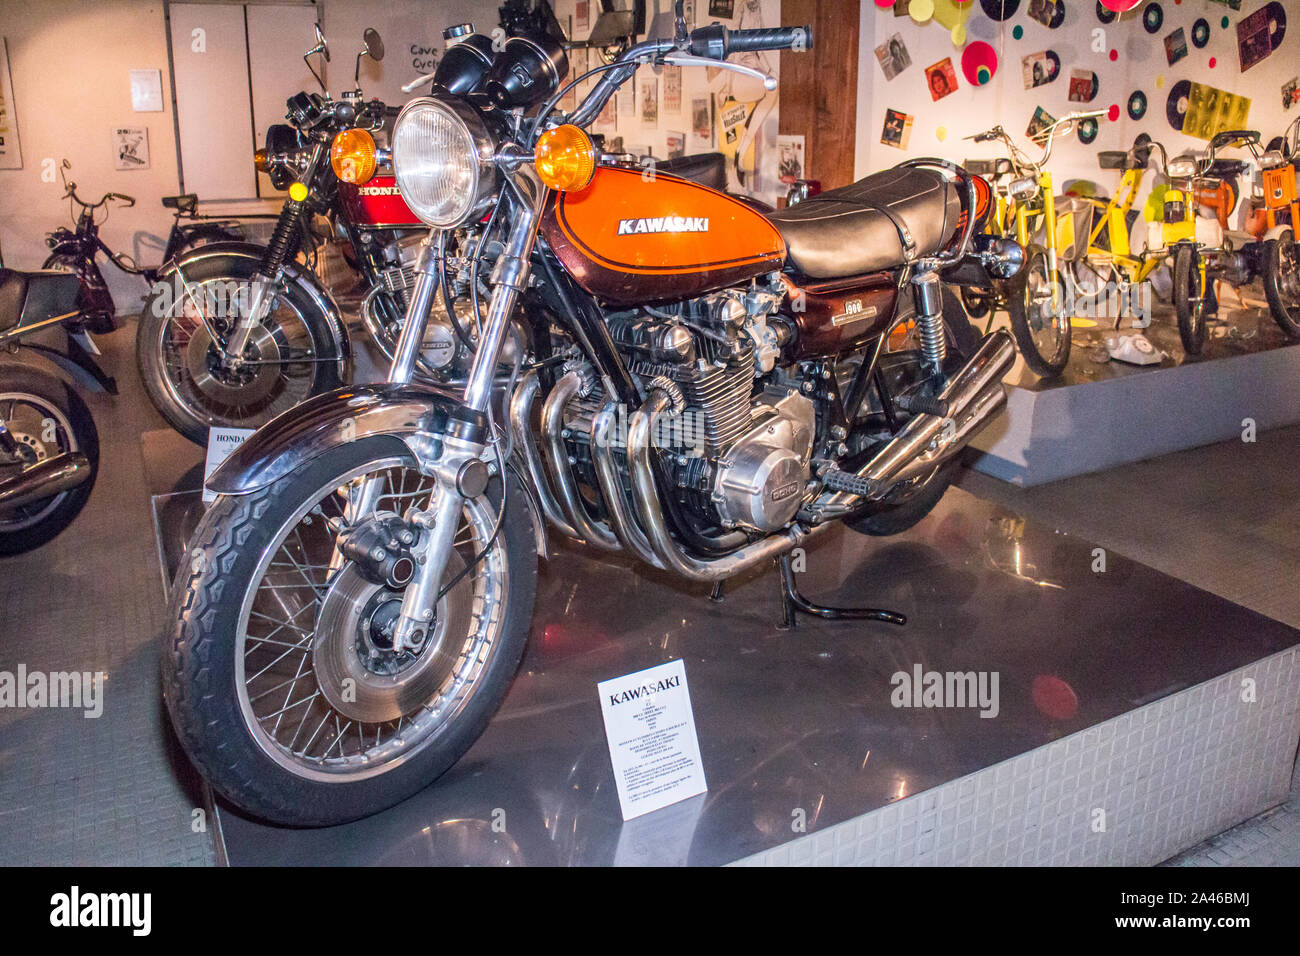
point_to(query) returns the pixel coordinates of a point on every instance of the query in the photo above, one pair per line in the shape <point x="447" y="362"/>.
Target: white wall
<point x="1142" y="65"/>
<point x="70" y="61"/>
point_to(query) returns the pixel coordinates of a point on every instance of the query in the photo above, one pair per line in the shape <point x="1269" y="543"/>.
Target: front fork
<point x="459" y="470"/>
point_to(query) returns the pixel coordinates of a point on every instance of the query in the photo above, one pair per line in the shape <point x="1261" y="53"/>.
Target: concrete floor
<point x="114" y="791"/>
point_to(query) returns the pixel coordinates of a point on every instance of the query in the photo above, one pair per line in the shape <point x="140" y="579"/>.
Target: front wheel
<point x="278" y="667"/>
<point x="45" y="418"/>
<point x="291" y="355"/>
<point x="1190" y="300"/>
<point x="1038" y="316"/>
<point x="1282" y="283"/>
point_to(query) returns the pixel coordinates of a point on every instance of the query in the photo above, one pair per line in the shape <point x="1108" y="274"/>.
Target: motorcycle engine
<point x="742" y="441"/>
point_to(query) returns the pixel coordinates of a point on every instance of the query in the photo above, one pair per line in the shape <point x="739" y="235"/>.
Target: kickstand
<point x="792" y="602"/>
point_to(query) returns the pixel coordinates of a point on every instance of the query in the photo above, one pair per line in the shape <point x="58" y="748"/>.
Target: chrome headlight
<point x="1182" y="168"/>
<point x="442" y="155"/>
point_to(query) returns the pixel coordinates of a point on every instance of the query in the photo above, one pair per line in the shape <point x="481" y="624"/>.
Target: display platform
<point x="1118" y="692"/>
<point x="1101" y="414"/>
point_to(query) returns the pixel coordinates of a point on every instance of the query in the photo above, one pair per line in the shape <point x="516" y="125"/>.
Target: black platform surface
<point x="787" y="720"/>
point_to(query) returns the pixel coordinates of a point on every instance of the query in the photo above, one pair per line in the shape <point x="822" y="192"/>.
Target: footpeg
<point x="849" y="483"/>
<point x="923" y="405"/>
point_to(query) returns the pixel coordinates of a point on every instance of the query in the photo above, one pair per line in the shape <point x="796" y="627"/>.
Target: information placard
<point x="650" y="729"/>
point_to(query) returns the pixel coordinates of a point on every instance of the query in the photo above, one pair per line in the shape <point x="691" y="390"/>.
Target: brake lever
<point x="686" y="59"/>
<point x="417" y="82"/>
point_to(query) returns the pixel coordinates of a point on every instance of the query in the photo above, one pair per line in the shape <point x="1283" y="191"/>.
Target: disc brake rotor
<point x="242" y="386"/>
<point x="356" y="669"/>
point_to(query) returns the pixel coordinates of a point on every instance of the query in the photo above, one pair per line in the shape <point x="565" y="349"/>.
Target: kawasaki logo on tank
<point x="661" y="224"/>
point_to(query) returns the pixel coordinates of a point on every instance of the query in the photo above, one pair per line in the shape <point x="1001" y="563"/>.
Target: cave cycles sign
<point x="424" y="59"/>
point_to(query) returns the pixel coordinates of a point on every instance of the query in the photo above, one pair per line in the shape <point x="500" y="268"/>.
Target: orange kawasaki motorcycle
<point x="654" y="368"/>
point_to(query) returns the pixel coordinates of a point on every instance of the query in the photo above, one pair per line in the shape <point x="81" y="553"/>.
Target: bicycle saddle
<point x="185" y="203"/>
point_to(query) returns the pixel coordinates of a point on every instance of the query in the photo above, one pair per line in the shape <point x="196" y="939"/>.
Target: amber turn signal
<point x="353" y="156"/>
<point x="260" y="161"/>
<point x="566" y="158"/>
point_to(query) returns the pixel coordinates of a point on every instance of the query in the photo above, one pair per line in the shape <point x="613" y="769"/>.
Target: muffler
<point x="974" y="396"/>
<point x="45" y="480"/>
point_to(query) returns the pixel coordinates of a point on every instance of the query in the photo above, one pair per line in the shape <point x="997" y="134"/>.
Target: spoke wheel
<point x="1038" y="316"/>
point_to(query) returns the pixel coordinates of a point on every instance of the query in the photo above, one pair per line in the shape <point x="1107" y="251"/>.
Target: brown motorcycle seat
<point x="855" y="229"/>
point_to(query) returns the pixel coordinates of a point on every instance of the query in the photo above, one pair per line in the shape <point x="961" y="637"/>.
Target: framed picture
<point x="941" y="78"/>
<point x="1175" y="46"/>
<point x="897" y="129"/>
<point x="892" y="56"/>
<point x="130" y="147"/>
<point x="722" y="8"/>
<point x="11" y="156"/>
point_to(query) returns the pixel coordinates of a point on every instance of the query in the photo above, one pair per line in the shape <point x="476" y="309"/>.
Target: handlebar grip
<point x="770" y="38"/>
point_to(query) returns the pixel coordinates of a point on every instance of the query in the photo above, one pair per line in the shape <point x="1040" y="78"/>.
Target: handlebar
<point x="1018" y="158"/>
<point x="714" y="42"/>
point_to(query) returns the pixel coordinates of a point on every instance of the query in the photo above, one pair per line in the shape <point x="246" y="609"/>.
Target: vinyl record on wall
<point x="1104" y="15"/>
<point x="1153" y="17"/>
<point x="979" y="62"/>
<point x="1000" y="9"/>
<point x="1137" y="105"/>
<point x="1176" y="105"/>
<point x="1200" y="33"/>
<point x="1087" y="131"/>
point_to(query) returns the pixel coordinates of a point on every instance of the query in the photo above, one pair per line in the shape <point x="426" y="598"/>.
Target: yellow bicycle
<point x="1026" y="204"/>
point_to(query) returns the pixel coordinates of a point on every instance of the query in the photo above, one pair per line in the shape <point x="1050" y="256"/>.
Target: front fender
<point x="1277" y="232"/>
<point x="294" y="273"/>
<point x="306" y="431"/>
<point x="292" y="440"/>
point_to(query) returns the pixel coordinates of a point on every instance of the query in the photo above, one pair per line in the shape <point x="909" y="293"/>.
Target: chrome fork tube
<point x="407" y="351"/>
<point x="464" y="443"/>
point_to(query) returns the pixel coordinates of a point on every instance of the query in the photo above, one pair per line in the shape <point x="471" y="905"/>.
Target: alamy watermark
<point x="80" y="690"/>
<point x="946" y="689"/>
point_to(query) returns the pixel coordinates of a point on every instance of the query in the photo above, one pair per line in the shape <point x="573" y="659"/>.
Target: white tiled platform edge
<point x="1168" y="775"/>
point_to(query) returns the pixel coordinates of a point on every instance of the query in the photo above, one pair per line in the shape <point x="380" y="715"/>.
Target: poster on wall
<point x="1291" y="92"/>
<point x="1175" y="46"/>
<point x="581" y="16"/>
<point x="722" y="8"/>
<point x="1050" y="13"/>
<point x="676" y="143"/>
<point x="790" y="158"/>
<point x="1039" y="122"/>
<point x="1040" y="68"/>
<point x="146" y="91"/>
<point x="130" y="147"/>
<point x="1083" y="86"/>
<point x="702" y="122"/>
<point x="672" y="89"/>
<point x="897" y="129"/>
<point x="1260" y="34"/>
<point x="649" y="94"/>
<point x="11" y="156"/>
<point x="892" y="56"/>
<point x="941" y="78"/>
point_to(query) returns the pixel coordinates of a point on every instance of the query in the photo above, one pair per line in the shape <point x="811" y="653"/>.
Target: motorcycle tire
<point x="202" y="657"/>
<point x="1282" y="283"/>
<point x="182" y="411"/>
<point x="52" y="398"/>
<point x="1025" y="310"/>
<point x="1191" y="302"/>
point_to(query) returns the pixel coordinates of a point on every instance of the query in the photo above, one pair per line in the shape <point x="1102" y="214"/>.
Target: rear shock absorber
<point x="927" y="293"/>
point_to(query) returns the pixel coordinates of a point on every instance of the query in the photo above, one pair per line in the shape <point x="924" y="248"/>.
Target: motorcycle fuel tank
<point x="632" y="238"/>
<point x="377" y="204"/>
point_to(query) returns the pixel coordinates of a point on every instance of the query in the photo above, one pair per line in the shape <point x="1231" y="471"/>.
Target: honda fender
<point x="294" y="273"/>
<point x="383" y="409"/>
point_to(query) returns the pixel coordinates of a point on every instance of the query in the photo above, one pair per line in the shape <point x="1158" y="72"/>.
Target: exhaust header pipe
<point x="45" y="480"/>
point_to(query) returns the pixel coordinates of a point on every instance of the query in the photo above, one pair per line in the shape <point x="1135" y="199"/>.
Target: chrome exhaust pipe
<point x="45" y="480"/>
<point x="645" y="494"/>
<point x="595" y="533"/>
<point x="621" y="517"/>
<point x="974" y="397"/>
<point x="521" y="411"/>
